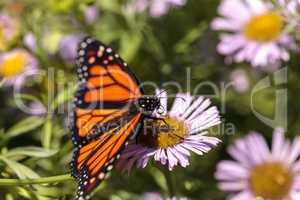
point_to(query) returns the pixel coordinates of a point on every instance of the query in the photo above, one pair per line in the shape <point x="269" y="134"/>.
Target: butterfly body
<point x="110" y="109"/>
<point x="148" y="105"/>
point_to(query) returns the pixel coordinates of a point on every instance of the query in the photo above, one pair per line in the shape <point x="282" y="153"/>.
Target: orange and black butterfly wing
<point x="105" y="76"/>
<point x="107" y="87"/>
<point x="106" y="91"/>
<point x="97" y="158"/>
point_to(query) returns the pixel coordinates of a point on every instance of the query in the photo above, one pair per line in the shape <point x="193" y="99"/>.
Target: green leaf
<point x="47" y="133"/>
<point x="130" y="44"/>
<point x="9" y="197"/>
<point x="47" y="193"/>
<point x="31" y="151"/>
<point x="184" y="44"/>
<point x="60" y="6"/>
<point x="26" y="97"/>
<point x="125" y="195"/>
<point x="109" y="5"/>
<point x="21" y="171"/>
<point x="159" y="178"/>
<point x="22" y="192"/>
<point x="2" y="82"/>
<point x="24" y="126"/>
<point x="51" y="41"/>
<point x="152" y="43"/>
<point x="63" y="97"/>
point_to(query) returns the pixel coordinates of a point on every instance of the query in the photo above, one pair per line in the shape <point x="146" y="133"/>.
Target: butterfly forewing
<point x="106" y="78"/>
<point x="107" y="88"/>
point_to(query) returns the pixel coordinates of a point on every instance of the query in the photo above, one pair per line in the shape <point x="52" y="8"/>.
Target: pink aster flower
<point x="171" y="144"/>
<point x="9" y="30"/>
<point x="16" y="65"/>
<point x="258" y="171"/>
<point x="157" y="8"/>
<point x="254" y="33"/>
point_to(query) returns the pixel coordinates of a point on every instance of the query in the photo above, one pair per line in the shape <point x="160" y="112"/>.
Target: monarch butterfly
<point x="110" y="108"/>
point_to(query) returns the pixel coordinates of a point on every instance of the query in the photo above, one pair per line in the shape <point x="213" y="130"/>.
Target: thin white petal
<point x="233" y="186"/>
<point x="277" y="142"/>
<point x="257" y="6"/>
<point x="244" y="195"/>
<point x="191" y="108"/>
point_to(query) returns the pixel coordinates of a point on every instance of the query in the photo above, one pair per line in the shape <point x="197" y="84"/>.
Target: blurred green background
<point x="158" y="49"/>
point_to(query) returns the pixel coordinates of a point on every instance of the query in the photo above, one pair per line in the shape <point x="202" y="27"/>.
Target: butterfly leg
<point x="160" y="119"/>
<point x="168" y="126"/>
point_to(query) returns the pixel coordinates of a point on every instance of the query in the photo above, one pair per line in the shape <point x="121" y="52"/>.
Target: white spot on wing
<point x="89" y="40"/>
<point x="110" y="167"/>
<point x="83" y="45"/>
<point x="101" y="176"/>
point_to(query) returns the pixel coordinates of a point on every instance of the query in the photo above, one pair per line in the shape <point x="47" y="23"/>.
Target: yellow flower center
<point x="164" y="135"/>
<point x="13" y="65"/>
<point x="264" y="28"/>
<point x="271" y="181"/>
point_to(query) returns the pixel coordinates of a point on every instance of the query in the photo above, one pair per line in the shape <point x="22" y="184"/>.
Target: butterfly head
<point x="148" y="104"/>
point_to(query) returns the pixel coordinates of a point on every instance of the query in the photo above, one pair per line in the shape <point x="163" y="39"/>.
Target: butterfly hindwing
<point x="96" y="159"/>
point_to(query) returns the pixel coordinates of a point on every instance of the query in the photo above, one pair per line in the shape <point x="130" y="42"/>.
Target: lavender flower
<point x="173" y="143"/>
<point x="30" y="41"/>
<point x="257" y="171"/>
<point x="156" y="196"/>
<point x="240" y="80"/>
<point x="68" y="47"/>
<point x="152" y="196"/>
<point x="91" y="14"/>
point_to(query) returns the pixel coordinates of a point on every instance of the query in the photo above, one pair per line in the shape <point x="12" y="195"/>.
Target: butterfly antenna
<point x="165" y="90"/>
<point x="183" y="99"/>
<point x="162" y="91"/>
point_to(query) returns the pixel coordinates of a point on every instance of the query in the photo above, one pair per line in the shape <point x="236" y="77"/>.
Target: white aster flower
<point x="258" y="171"/>
<point x="185" y="131"/>
<point x="254" y="33"/>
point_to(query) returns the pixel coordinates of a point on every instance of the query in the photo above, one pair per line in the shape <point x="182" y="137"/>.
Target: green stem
<point x="2" y="82"/>
<point x="45" y="180"/>
<point x="170" y="182"/>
